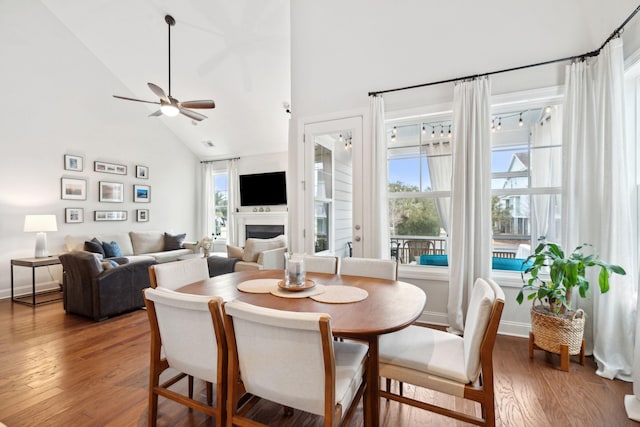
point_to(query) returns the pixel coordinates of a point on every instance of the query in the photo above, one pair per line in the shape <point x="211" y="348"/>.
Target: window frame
<point x="501" y="104"/>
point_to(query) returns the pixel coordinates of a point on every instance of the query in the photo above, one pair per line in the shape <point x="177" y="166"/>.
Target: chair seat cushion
<point x="350" y="365"/>
<point x="426" y="350"/>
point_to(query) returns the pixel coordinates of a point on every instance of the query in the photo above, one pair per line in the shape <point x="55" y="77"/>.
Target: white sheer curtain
<point x="596" y="202"/>
<point x="545" y="171"/>
<point x="234" y="200"/>
<point x="378" y="244"/>
<point x="439" y="162"/>
<point x="470" y="235"/>
<point x="207" y="200"/>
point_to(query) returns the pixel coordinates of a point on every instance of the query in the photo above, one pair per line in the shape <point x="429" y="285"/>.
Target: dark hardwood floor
<point x="65" y="370"/>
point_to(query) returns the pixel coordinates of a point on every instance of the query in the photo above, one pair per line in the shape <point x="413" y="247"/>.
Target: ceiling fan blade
<point x="192" y="114"/>
<point x="205" y="103"/>
<point x="133" y="99"/>
<point x="159" y="92"/>
<point x="156" y="114"/>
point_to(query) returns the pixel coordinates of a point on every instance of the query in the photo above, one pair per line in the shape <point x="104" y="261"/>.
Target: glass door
<point x="332" y="205"/>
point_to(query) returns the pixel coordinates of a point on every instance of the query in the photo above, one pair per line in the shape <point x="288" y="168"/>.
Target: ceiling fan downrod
<point x="170" y="22"/>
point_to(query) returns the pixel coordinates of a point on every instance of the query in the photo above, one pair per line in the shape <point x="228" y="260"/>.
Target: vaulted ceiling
<point x="236" y="53"/>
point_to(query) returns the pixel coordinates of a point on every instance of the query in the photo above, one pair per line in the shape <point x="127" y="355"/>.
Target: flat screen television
<point x="263" y="189"/>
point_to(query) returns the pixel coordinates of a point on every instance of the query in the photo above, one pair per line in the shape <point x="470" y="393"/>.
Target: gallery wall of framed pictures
<point x="108" y="191"/>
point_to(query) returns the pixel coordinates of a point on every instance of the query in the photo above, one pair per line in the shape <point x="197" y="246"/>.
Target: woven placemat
<point x="341" y="294"/>
<point x="258" y="286"/>
<point x="316" y="290"/>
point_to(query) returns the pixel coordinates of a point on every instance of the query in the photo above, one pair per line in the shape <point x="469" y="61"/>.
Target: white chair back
<point x="321" y="264"/>
<point x="278" y="351"/>
<point x="483" y="296"/>
<point x="370" y="267"/>
<point x="186" y="331"/>
<point x="173" y="275"/>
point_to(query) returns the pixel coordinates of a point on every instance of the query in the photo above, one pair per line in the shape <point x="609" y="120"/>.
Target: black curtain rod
<point x="596" y="52"/>
<point x="219" y="160"/>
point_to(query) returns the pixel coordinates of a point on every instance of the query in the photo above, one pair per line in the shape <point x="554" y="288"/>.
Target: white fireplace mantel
<point x="257" y="218"/>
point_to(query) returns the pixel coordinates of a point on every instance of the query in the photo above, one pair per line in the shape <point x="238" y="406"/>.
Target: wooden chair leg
<point x="582" y="353"/>
<point x="564" y="357"/>
<point x="190" y="386"/>
<point x="531" y="340"/>
<point x="209" y="393"/>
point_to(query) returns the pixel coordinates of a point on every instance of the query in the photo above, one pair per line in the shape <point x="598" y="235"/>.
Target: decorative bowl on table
<point x="308" y="284"/>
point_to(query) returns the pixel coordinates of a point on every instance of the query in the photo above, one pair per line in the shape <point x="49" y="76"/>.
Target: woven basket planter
<point x="551" y="331"/>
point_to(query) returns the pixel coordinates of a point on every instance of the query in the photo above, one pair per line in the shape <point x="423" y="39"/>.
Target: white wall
<point x="342" y="50"/>
<point x="57" y="100"/>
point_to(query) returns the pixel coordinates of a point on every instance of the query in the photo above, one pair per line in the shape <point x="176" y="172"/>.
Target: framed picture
<point x="141" y="193"/>
<point x="111" y="192"/>
<point x="142" y="215"/>
<point x="109" y="168"/>
<point x="73" y="163"/>
<point x="73" y="215"/>
<point x="142" y="172"/>
<point x="73" y="189"/>
<point x="110" y="215"/>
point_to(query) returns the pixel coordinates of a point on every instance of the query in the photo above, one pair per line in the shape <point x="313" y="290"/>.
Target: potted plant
<point x="551" y="278"/>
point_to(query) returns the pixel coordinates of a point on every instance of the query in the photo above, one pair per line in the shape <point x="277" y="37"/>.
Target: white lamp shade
<point x="37" y="223"/>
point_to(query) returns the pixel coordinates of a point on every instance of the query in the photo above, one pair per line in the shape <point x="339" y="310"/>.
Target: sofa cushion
<point x="234" y="252"/>
<point x="514" y="264"/>
<point x="168" y="256"/>
<point x="440" y="260"/>
<point x="145" y="242"/>
<point x="94" y="246"/>
<point x="173" y="242"/>
<point x="111" y="249"/>
<point x="253" y="247"/>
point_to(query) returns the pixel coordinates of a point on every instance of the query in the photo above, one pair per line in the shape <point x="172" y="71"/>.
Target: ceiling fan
<point x="170" y="106"/>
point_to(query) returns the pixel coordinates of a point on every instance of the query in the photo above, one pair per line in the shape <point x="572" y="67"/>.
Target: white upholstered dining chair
<point x="321" y="264"/>
<point x="444" y="362"/>
<point x="187" y="334"/>
<point x="370" y="267"/>
<point x="173" y="275"/>
<point x="290" y="358"/>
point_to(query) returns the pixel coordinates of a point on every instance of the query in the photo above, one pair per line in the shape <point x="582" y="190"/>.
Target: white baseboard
<point x="516" y="329"/>
<point x="26" y="289"/>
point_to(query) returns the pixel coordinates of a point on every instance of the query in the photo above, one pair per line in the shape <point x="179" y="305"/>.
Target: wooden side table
<point x="33" y="263"/>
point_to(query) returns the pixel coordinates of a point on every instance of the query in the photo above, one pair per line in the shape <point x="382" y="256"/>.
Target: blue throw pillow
<point x="440" y="260"/>
<point x="111" y="250"/>
<point x="513" y="264"/>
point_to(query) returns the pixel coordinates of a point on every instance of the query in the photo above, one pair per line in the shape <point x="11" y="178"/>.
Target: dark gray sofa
<point x="93" y="291"/>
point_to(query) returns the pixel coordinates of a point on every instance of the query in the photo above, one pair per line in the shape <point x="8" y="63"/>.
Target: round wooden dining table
<point x="390" y="305"/>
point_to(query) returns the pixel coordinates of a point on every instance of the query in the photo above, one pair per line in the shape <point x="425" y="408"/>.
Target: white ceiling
<point x="236" y="53"/>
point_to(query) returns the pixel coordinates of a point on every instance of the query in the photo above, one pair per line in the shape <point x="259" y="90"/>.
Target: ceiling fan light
<point x="169" y="110"/>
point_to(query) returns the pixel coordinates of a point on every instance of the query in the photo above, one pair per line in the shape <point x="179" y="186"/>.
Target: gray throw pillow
<point x="173" y="242"/>
<point x="94" y="246"/>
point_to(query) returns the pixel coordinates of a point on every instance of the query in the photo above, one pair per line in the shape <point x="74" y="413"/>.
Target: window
<point x="526" y="178"/>
<point x="221" y="204"/>
<point x="419" y="169"/>
<point x="323" y="198"/>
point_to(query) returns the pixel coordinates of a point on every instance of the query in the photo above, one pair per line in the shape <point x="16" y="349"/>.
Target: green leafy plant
<point x="565" y="273"/>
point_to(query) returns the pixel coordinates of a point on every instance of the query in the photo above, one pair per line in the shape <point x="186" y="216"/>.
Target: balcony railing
<point x="407" y="249"/>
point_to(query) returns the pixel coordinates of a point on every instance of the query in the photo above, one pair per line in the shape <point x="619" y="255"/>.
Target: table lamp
<point x="40" y="224"/>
